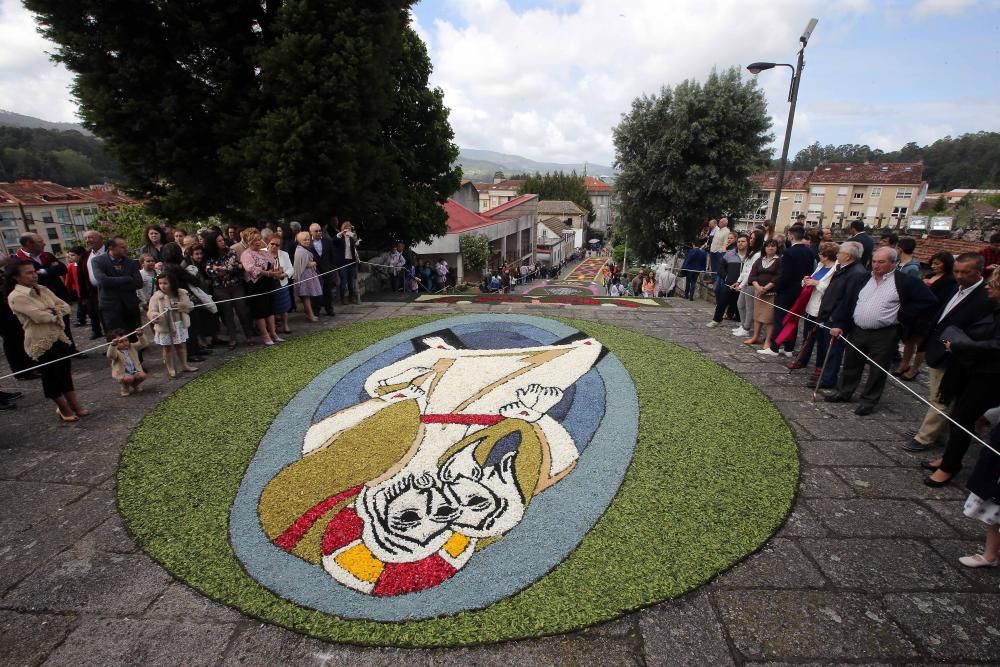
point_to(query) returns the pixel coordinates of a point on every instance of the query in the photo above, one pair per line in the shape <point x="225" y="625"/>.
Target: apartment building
<point x="600" y="194"/>
<point x="882" y="194"/>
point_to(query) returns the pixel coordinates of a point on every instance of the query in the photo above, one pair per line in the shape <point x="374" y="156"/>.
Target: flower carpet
<point x="437" y="481"/>
<point x="588" y="269"/>
<point x="570" y="300"/>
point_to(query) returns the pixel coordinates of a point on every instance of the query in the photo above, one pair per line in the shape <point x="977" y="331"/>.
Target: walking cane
<point x="823" y="367"/>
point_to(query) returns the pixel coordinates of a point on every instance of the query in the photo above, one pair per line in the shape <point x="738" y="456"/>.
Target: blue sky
<point x="548" y="79"/>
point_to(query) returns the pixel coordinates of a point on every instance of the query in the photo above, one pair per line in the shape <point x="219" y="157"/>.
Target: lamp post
<point x="793" y="94"/>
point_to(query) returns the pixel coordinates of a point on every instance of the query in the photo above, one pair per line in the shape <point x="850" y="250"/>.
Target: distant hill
<point x="11" y="119"/>
<point x="478" y="165"/>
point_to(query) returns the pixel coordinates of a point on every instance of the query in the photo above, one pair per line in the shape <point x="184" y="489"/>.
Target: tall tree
<point x="560" y="187"/>
<point x="264" y="108"/>
<point x="686" y="155"/>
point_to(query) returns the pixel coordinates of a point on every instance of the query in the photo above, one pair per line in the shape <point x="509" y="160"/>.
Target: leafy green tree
<point x="686" y="155"/>
<point x="252" y="109"/>
<point x="128" y="222"/>
<point x="475" y="249"/>
<point x="559" y="187"/>
<point x="940" y="205"/>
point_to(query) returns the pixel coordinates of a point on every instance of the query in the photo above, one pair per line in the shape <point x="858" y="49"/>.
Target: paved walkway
<point x="863" y="572"/>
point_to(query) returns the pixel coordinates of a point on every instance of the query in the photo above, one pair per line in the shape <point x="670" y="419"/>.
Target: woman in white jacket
<point x="819" y="281"/>
<point x="744" y="302"/>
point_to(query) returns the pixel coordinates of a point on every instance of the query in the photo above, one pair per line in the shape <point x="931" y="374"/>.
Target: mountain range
<point x="477" y="164"/>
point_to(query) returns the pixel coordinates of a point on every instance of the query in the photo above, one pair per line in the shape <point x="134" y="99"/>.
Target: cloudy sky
<point x="548" y="79"/>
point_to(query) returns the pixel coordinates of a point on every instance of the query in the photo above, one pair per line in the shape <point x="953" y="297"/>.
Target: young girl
<point x="125" y="364"/>
<point x="171" y="328"/>
<point x="148" y="273"/>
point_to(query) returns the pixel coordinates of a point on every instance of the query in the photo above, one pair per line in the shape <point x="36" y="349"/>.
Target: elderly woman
<point x="41" y="315"/>
<point x="282" y="302"/>
<point x="261" y="275"/>
<point x="819" y="281"/>
<point x="764" y="278"/>
<point x="307" y="285"/>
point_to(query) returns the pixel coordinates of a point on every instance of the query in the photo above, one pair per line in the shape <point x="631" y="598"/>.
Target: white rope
<point x="871" y="361"/>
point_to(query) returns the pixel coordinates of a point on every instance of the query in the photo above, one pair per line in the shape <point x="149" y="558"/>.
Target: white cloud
<point x="30" y="83"/>
<point x="927" y="8"/>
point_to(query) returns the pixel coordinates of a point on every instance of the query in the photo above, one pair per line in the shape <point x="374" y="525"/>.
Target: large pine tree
<point x="263" y="108"/>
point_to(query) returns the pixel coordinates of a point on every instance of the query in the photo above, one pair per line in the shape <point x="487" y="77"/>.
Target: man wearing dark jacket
<point x="860" y="236"/>
<point x="323" y="253"/>
<point x="872" y="316"/>
<point x="850" y="273"/>
<point x="345" y="254"/>
<point x="962" y="306"/>
<point x="797" y="262"/>
<point x="118" y="278"/>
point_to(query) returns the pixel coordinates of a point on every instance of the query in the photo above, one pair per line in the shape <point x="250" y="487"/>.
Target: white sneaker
<point x="768" y="352"/>
<point x="787" y="353"/>
<point x="712" y="324"/>
<point x="978" y="561"/>
<point x="740" y="331"/>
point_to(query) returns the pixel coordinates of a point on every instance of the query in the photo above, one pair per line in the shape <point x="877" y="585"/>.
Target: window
<point x="842" y="191"/>
<point x="855" y="213"/>
<point x="876" y="193"/>
<point x="871" y="211"/>
<point x="798" y="198"/>
<point x="839" y="208"/>
<point x="11" y="237"/>
<point x="815" y="208"/>
<point x="7" y="219"/>
<point x="29" y="219"/>
<point x="859" y="194"/>
<point x="52" y="233"/>
<point x="62" y="215"/>
<point x="47" y="219"/>
<point x="904" y="193"/>
<point x="899" y="212"/>
<point x="56" y="249"/>
<point x="817" y="191"/>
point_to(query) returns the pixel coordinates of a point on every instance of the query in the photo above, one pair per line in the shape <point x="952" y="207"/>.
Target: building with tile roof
<point x="58" y="214"/>
<point x="883" y="194"/>
<point x="602" y="198"/>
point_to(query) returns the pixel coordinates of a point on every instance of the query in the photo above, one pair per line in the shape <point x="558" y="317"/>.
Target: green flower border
<point x="707" y="486"/>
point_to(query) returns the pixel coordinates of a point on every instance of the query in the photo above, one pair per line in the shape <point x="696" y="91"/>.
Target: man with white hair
<point x="872" y="317"/>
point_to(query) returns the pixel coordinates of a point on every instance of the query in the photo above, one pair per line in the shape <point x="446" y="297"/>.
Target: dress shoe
<point x="914" y="445"/>
<point x="864" y="409"/>
<point x="927" y="465"/>
<point x="935" y="484"/>
<point x="794" y="365"/>
<point x="837" y="398"/>
<point x="7" y="405"/>
<point x="10" y="395"/>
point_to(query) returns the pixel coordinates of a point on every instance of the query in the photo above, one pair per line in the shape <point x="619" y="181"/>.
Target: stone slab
<point x="79" y="580"/>
<point x="802" y="523"/>
<point x="87" y="468"/>
<point x="182" y="602"/>
<point x="904" y="483"/>
<point x="14" y="461"/>
<point x="883" y="565"/>
<point x="851" y="428"/>
<point x="107" y="641"/>
<point x="685" y="631"/>
<point x="546" y="651"/>
<point x="951" y="626"/>
<point x="27" y="639"/>
<point x="868" y="517"/>
<point x="816" y="482"/>
<point x="28" y="503"/>
<point x="951" y="512"/>
<point x="843" y="453"/>
<point x="982" y="578"/>
<point x="811" y="625"/>
<point x="779" y="564"/>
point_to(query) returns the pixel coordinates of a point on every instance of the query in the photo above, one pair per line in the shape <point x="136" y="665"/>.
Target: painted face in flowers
<point x="487" y="498"/>
<point x="410" y="513"/>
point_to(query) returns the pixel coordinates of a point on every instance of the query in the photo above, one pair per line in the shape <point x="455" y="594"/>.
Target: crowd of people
<point x="185" y="293"/>
<point x="866" y="303"/>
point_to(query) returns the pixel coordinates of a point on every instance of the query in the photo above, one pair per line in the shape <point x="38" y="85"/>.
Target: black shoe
<point x="927" y="465"/>
<point x="937" y="485"/>
<point x="7" y="405"/>
<point x="914" y="445"/>
<point x="10" y="395"/>
<point x="864" y="409"/>
<point x="204" y="351"/>
<point x="837" y="398"/>
<point x="329" y="312"/>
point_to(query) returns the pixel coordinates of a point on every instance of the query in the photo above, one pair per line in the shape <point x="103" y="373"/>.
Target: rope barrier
<point x="870" y="360"/>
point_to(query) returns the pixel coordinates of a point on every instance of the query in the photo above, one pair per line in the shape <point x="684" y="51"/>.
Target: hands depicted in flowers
<point x="532" y="402"/>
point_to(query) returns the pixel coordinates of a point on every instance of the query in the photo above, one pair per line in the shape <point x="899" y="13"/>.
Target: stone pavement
<point x="864" y="571"/>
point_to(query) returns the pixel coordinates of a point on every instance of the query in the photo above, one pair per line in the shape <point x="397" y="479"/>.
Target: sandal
<point x="71" y="418"/>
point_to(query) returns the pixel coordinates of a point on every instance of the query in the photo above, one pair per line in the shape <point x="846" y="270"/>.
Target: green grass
<point x="706" y="487"/>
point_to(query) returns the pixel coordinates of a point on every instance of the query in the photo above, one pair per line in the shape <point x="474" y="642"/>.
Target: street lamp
<point x="793" y="94"/>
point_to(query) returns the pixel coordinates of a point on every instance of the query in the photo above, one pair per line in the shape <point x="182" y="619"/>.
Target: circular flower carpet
<point x="434" y="481"/>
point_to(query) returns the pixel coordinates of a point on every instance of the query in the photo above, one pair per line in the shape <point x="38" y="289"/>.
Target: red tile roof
<point x="509" y="184"/>
<point x="794" y="180"/>
<point x="106" y="196"/>
<point x="461" y="219"/>
<point x="594" y="184"/>
<point x="927" y="248"/>
<point x="894" y="173"/>
<point x="33" y="193"/>
<point x="509" y="205"/>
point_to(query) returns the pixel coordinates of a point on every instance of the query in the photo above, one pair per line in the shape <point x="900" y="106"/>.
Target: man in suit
<point x="322" y="250"/>
<point x="849" y="275"/>
<point x="797" y="262"/>
<point x="345" y="254"/>
<point x="118" y="278"/>
<point x="858" y="227"/>
<point x="872" y="317"/>
<point x="93" y="248"/>
<point x="964" y="305"/>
